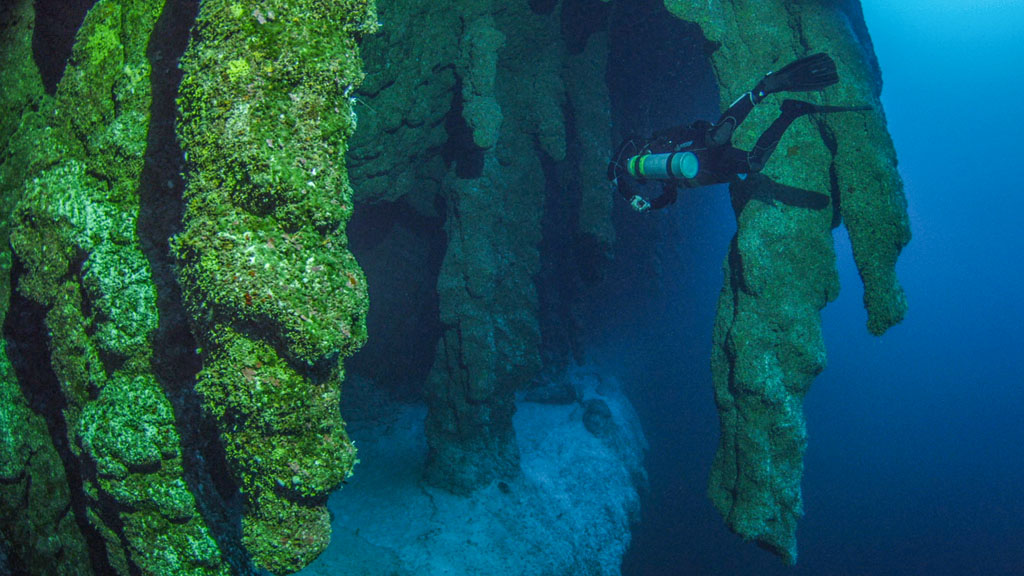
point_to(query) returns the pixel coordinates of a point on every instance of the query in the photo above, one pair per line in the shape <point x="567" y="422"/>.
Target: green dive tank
<point x="668" y="166"/>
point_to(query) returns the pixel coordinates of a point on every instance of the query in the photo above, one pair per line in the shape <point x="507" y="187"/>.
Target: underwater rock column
<point x="77" y="160"/>
<point x="275" y="296"/>
<point x="403" y="104"/>
<point x="588" y="93"/>
<point x="780" y="270"/>
<point x="461" y="104"/>
<point x="491" y="341"/>
<point x="868" y="185"/>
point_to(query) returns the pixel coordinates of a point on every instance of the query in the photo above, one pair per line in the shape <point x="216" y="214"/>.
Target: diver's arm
<point x="620" y="179"/>
<point x="670" y="191"/>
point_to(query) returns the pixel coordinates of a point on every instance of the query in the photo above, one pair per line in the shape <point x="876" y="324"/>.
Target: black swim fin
<point x="799" y="108"/>
<point x="814" y="72"/>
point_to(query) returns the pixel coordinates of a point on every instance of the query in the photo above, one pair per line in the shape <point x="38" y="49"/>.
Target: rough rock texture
<point x="488" y="299"/>
<point x="275" y="296"/>
<point x="22" y="84"/>
<point x="870" y="190"/>
<point x="477" y="66"/>
<point x="780" y="271"/>
<point x="38" y="528"/>
<point x="549" y="520"/>
<point x="450" y="79"/>
<point x="36" y="519"/>
<point x="587" y="93"/>
<point x="73" y="165"/>
<point x="404" y="101"/>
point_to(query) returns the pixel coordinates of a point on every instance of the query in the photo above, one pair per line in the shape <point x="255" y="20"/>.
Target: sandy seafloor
<point x="569" y="512"/>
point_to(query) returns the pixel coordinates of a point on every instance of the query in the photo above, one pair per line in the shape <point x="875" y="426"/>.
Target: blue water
<point x="916" y="456"/>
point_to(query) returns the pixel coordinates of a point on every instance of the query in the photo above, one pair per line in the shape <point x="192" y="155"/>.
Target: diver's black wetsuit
<point x="717" y="161"/>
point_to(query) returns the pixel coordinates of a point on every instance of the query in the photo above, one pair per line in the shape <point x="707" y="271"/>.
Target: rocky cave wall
<point x="117" y="456"/>
<point x="168" y="433"/>
<point x="780" y="270"/>
<point x="447" y="125"/>
<point x="272" y="296"/>
<point x="73" y="167"/>
<point x="40" y="528"/>
<point x="470" y="117"/>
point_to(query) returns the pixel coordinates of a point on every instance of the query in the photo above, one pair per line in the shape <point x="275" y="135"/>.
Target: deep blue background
<point x="916" y="456"/>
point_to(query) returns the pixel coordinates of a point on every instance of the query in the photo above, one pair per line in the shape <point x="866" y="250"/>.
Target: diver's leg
<point x="791" y="110"/>
<point x="766" y="144"/>
<point x="721" y="132"/>
<point x="811" y="73"/>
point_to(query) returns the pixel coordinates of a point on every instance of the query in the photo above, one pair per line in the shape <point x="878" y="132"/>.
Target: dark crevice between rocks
<point x="543" y="6"/>
<point x="829" y="137"/>
<point x="57" y="22"/>
<point x="460" y="150"/>
<point x="580" y="19"/>
<point x="558" y="280"/>
<point x="175" y="362"/>
<point x="28" y="349"/>
<point x="400" y="250"/>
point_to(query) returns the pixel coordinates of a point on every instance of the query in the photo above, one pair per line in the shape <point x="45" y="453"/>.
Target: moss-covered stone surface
<point x="74" y="166"/>
<point x="275" y="297"/>
<point x="780" y="271"/>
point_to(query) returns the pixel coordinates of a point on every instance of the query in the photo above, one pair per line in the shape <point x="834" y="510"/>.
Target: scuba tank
<point x="666" y="166"/>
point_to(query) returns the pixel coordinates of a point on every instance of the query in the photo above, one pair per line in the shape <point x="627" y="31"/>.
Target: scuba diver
<point x="701" y="154"/>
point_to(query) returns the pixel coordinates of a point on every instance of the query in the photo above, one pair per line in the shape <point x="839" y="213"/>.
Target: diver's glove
<point x="640" y="204"/>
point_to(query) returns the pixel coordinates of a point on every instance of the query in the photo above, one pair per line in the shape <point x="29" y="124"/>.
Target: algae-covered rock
<point x="478" y="64"/>
<point x="274" y="295"/>
<point x="35" y="516"/>
<point x="74" y="165"/>
<point x="22" y="84"/>
<point x="870" y="190"/>
<point x="780" y="271"/>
